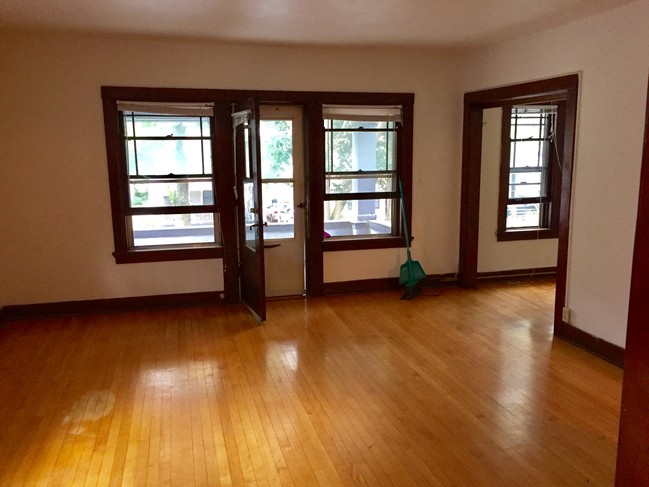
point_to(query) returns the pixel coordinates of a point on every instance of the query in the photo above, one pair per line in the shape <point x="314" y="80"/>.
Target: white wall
<point x="493" y="255"/>
<point x="611" y="52"/>
<point x="56" y="238"/>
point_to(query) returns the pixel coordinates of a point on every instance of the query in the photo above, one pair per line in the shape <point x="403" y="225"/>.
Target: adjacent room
<point x="212" y="214"/>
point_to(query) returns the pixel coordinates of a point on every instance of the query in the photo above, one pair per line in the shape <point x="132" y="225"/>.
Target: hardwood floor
<point x="463" y="389"/>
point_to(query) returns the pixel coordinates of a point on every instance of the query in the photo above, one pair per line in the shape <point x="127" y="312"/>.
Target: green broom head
<point x="411" y="273"/>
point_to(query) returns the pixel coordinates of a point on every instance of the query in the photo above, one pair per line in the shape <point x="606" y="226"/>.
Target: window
<point x="361" y="197"/>
<point x="168" y="189"/>
<point x="530" y="172"/>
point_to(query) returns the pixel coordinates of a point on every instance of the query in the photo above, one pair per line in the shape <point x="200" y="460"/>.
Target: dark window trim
<point x="550" y="217"/>
<point x="312" y="102"/>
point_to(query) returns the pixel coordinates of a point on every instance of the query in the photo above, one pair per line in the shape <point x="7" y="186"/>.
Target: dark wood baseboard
<point x="603" y="349"/>
<point x="373" y="285"/>
<point x="538" y="271"/>
<point x="4" y="318"/>
<point x="113" y="305"/>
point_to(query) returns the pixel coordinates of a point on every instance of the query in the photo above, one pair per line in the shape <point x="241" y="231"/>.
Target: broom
<point x="411" y="271"/>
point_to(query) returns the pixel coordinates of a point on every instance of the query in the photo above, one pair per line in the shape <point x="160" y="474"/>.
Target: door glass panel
<point x="246" y="151"/>
<point x="276" y="140"/>
<point x="278" y="183"/>
<point x="278" y="207"/>
<point x="249" y="213"/>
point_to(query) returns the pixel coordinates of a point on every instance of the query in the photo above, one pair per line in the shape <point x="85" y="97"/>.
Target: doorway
<point x="563" y="88"/>
<point x="283" y="198"/>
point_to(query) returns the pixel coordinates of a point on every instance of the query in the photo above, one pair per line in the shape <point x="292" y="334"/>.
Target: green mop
<point x="411" y="271"/>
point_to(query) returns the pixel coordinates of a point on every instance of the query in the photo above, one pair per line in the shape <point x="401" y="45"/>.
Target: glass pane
<point x="353" y="151"/>
<point x="525" y="191"/>
<point x="522" y="216"/>
<point x="151" y="125"/>
<point x="360" y="184"/>
<point x="162" y="157"/>
<point x="250" y="216"/>
<point x="531" y="177"/>
<point x="276" y="139"/>
<point x="278" y="204"/>
<point x="529" y="153"/>
<point x="338" y="151"/>
<point x="150" y="194"/>
<point x="194" y="228"/>
<point x="246" y="150"/>
<point x="525" y="185"/>
<point x="526" y="129"/>
<point x="358" y="218"/>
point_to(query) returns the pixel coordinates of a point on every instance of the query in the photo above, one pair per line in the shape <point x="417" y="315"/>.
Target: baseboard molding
<point x="4" y="318"/>
<point x="373" y="285"/>
<point x="534" y="272"/>
<point x="603" y="349"/>
<point x="112" y="305"/>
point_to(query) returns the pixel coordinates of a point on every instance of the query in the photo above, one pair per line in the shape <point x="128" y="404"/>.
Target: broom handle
<point x="403" y="217"/>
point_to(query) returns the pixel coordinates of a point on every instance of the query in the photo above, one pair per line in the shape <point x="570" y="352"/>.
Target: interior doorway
<point x="564" y="89"/>
<point x="283" y="198"/>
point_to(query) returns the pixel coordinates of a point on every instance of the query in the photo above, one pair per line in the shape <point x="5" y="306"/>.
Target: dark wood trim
<point x="603" y="349"/>
<point x="375" y="285"/>
<point x="558" y="89"/>
<point x="565" y="202"/>
<point x="197" y="95"/>
<point x="4" y="316"/>
<point x="532" y="272"/>
<point x="224" y="181"/>
<point x="503" y="176"/>
<point x="470" y="195"/>
<point x="111" y="305"/>
<point x="633" y="445"/>
<point x="540" y="90"/>
<point x="404" y="166"/>
<point x="314" y="173"/>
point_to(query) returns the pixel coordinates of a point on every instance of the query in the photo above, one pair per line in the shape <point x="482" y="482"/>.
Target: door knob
<point x="301" y="205"/>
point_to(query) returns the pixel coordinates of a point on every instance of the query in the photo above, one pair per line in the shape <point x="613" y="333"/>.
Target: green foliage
<point x="278" y="150"/>
<point x="140" y="197"/>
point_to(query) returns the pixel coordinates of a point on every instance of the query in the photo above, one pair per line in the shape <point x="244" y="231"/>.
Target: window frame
<point x="549" y="207"/>
<point x="403" y="170"/>
<point x="122" y="211"/>
<point x="391" y="127"/>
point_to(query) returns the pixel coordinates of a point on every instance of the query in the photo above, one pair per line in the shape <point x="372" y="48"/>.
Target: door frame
<point x="475" y="102"/>
<point x="633" y="451"/>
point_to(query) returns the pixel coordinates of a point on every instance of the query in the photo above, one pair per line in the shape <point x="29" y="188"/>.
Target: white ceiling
<point x="443" y="23"/>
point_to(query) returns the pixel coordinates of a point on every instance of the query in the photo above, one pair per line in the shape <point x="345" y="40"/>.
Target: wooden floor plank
<point x="465" y="388"/>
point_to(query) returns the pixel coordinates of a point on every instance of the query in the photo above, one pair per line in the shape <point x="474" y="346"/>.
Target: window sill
<point x="336" y="244"/>
<point x="163" y="255"/>
<point x="527" y="234"/>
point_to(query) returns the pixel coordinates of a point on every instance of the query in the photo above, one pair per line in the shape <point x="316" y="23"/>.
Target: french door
<point x="250" y="235"/>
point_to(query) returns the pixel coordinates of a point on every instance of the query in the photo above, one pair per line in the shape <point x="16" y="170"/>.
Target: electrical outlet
<point x="565" y="315"/>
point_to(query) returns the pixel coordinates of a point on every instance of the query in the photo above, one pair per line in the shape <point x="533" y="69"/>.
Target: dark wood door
<point x="633" y="445"/>
<point x="245" y="121"/>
